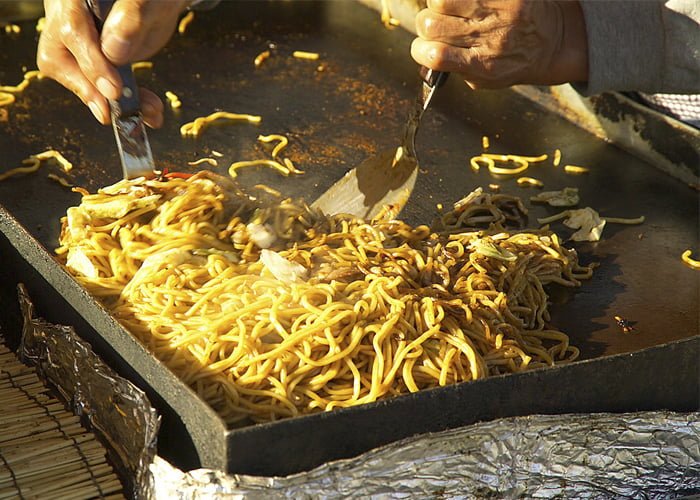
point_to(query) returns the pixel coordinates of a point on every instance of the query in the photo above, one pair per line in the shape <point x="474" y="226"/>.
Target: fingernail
<point x="116" y="47"/>
<point x="95" y="108"/>
<point x="107" y="88"/>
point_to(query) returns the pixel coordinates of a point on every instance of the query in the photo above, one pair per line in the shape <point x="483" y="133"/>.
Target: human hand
<point x="498" y="43"/>
<point x="73" y="53"/>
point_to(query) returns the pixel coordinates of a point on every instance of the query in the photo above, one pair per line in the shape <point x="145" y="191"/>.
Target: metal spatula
<point x="383" y="183"/>
<point x="129" y="129"/>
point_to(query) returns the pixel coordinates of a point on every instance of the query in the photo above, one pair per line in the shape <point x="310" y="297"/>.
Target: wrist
<point x="570" y="62"/>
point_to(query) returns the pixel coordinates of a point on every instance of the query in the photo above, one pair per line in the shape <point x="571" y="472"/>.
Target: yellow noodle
<point x="142" y="65"/>
<point x="185" y="22"/>
<point x="194" y="128"/>
<point x="260" y="58"/>
<point x="256" y="163"/>
<point x="574" y="169"/>
<point x="28" y="77"/>
<point x="175" y="103"/>
<point x="6" y="98"/>
<point x="301" y="54"/>
<point x="557" y="157"/>
<point x="690" y="262"/>
<point x="388" y="20"/>
<point x="384" y="308"/>
<point x="62" y="181"/>
<point x="209" y="161"/>
<point x="530" y="181"/>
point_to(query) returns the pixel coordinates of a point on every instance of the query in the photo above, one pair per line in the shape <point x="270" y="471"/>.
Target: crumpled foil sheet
<point x="649" y="455"/>
<point x="118" y="411"/>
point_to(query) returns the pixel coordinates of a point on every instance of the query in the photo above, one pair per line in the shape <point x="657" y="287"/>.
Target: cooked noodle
<point x="271" y="312"/>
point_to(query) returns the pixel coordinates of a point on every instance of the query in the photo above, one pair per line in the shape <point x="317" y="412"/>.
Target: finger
<point x="479" y="70"/>
<point x="79" y="35"/>
<point x="59" y="64"/>
<point x="463" y="8"/>
<point x="448" y="29"/>
<point x="123" y="31"/>
<point x="152" y="108"/>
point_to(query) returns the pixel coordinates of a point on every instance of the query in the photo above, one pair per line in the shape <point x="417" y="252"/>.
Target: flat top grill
<point x="351" y="109"/>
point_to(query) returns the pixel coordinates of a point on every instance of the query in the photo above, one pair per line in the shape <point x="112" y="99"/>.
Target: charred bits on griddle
<point x="624" y="324"/>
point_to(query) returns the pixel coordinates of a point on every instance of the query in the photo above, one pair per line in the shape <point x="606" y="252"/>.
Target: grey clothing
<point x="643" y="45"/>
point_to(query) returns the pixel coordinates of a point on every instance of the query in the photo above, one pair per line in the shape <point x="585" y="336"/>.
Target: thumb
<point x="123" y="31"/>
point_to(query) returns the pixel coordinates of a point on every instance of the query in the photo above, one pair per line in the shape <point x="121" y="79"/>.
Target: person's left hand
<point x="72" y="52"/>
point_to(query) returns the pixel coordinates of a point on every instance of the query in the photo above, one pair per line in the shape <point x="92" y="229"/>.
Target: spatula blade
<point x="134" y="150"/>
<point x="381" y="183"/>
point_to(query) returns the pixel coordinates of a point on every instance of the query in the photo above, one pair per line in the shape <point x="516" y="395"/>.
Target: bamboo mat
<point x="44" y="450"/>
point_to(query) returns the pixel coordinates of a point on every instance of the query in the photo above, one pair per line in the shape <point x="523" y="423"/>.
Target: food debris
<point x="40" y="23"/>
<point x="33" y="163"/>
<point x="489" y="160"/>
<point x="173" y="99"/>
<point x="12" y="29"/>
<point x="258" y="163"/>
<point x="61" y="180"/>
<point x="28" y="77"/>
<point x="567" y="197"/>
<point x="300" y="54"/>
<point x="530" y="181"/>
<point x="624" y="324"/>
<point x="485" y="143"/>
<point x="216" y="153"/>
<point x="194" y="128"/>
<point x="210" y="161"/>
<point x="388" y="21"/>
<point x="575" y="169"/>
<point x="141" y="65"/>
<point x="283" y="141"/>
<point x="51" y="154"/>
<point x="185" y="22"/>
<point x="689" y="261"/>
<point x="588" y="222"/>
<point x="260" y="58"/>
<point x="557" y="157"/>
<point x="6" y="98"/>
<point x="268" y="189"/>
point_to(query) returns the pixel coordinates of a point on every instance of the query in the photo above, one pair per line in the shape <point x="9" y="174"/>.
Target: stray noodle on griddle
<point x="274" y="311"/>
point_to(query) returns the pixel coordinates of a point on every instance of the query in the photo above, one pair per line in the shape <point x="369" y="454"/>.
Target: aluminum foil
<point x="646" y="455"/>
<point x="118" y="412"/>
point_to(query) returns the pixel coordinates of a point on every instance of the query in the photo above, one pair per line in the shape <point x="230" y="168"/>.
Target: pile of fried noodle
<point x="271" y="311"/>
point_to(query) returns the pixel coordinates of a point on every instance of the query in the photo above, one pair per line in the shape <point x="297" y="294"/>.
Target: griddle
<point x="336" y="117"/>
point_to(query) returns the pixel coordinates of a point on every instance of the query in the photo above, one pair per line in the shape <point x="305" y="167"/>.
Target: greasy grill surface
<point x="335" y="118"/>
<point x="355" y="107"/>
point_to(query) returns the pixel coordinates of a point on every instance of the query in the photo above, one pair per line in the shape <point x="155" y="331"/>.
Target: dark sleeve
<point x="643" y="45"/>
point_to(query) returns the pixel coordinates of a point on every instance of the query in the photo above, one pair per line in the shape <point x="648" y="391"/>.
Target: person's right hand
<point x="73" y="53"/>
<point x="498" y="43"/>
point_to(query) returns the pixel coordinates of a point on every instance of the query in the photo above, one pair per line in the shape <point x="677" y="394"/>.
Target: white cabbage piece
<point x="118" y="207"/>
<point x="282" y="269"/>
<point x="587" y="221"/>
<point x="76" y="222"/>
<point x="490" y="249"/>
<point x="80" y="263"/>
<point x="172" y="257"/>
<point x="567" y="197"/>
<point x="263" y="235"/>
